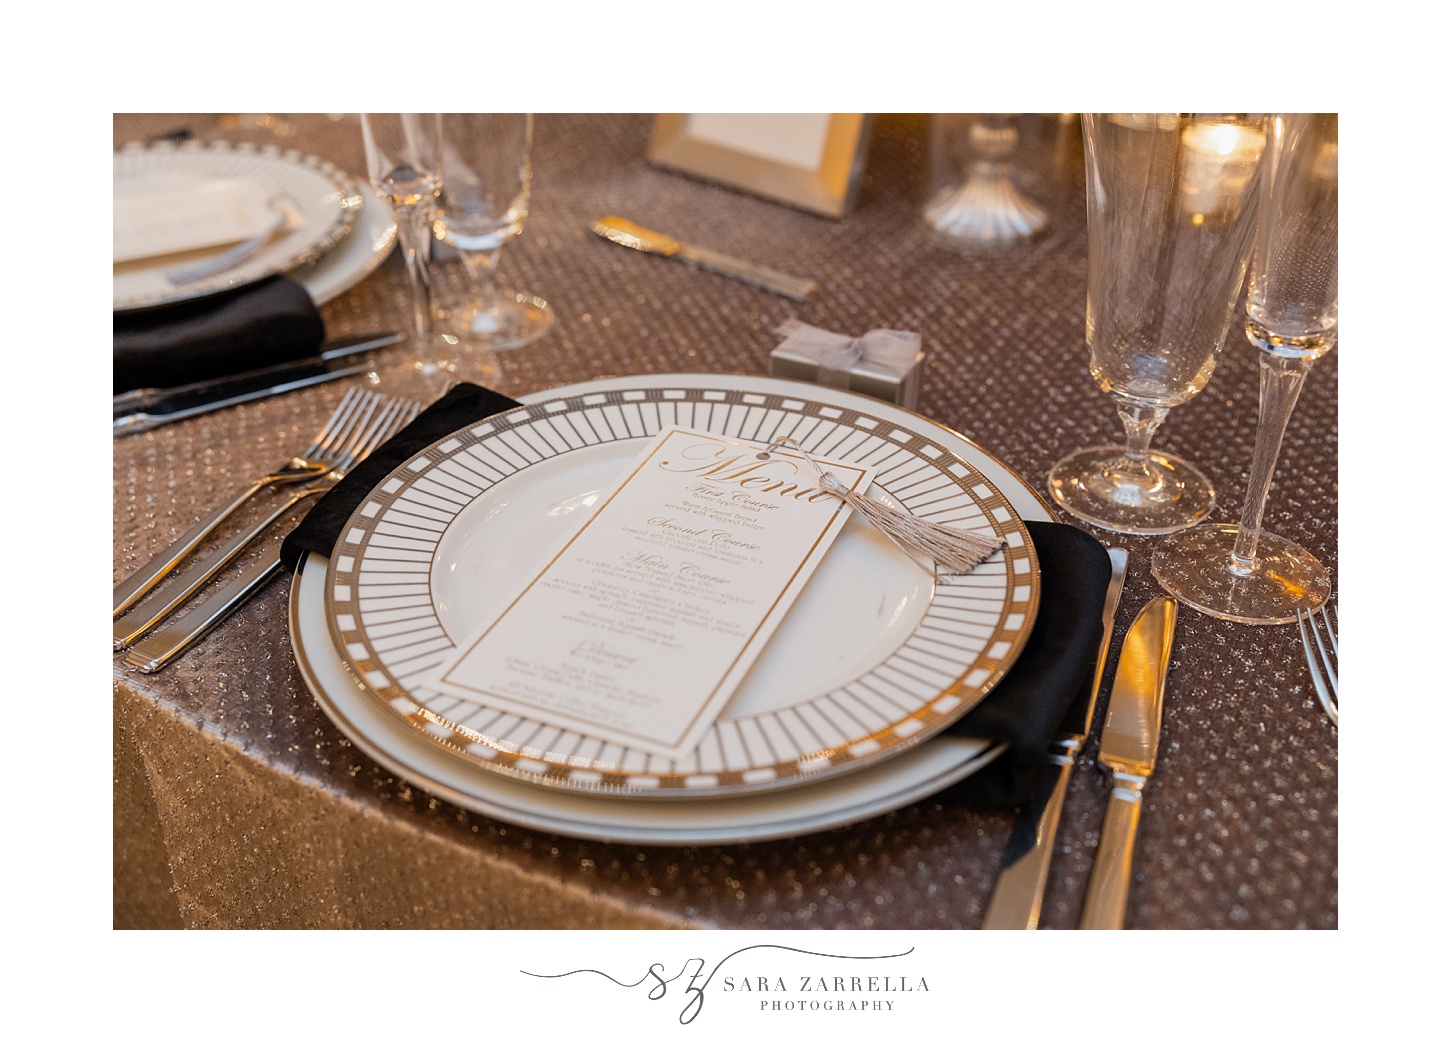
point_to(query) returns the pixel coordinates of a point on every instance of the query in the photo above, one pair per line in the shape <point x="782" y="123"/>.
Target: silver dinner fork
<point x="380" y="421"/>
<point x="1323" y="655"/>
<point x="316" y="460"/>
<point x="156" y="648"/>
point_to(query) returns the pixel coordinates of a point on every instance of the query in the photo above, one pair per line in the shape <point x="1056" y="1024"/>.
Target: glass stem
<point x="481" y="265"/>
<point x="1140" y="423"/>
<point x="1280" y="382"/>
<point x="413" y="240"/>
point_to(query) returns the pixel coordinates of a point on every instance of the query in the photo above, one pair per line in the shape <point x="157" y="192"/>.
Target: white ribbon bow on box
<point x="892" y="353"/>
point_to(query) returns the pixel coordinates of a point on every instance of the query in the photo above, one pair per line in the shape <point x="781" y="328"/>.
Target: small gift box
<point x="885" y="364"/>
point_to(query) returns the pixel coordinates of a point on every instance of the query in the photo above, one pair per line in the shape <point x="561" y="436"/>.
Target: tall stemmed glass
<point x="1171" y="202"/>
<point x="485" y="199"/>
<point x="1240" y="572"/>
<point x="404" y="154"/>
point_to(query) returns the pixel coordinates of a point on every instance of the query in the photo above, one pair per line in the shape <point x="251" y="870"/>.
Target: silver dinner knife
<point x="627" y="233"/>
<point x="145" y="408"/>
<point x="1127" y="750"/>
<point x="1017" y="897"/>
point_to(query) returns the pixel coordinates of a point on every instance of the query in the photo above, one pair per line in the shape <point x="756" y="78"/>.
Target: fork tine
<point x="407" y="411"/>
<point x="370" y="436"/>
<point x="357" y="417"/>
<point x="344" y="408"/>
<point x="363" y="408"/>
<point x="352" y="440"/>
<point x="390" y="419"/>
<point x="1314" y="662"/>
<point x="1326" y="660"/>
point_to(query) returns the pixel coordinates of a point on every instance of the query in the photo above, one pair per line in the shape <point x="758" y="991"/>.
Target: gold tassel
<point x="956" y="551"/>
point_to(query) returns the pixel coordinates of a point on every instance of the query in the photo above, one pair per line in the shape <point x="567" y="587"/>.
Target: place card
<point x="639" y="628"/>
<point x="159" y="216"/>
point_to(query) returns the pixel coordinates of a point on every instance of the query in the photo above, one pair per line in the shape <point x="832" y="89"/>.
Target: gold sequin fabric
<point x="239" y="804"/>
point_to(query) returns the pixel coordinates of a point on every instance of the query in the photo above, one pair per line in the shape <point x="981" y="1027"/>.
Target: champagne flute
<point x="1171" y="201"/>
<point x="1239" y="572"/>
<point x="483" y="204"/>
<point x="404" y="154"/>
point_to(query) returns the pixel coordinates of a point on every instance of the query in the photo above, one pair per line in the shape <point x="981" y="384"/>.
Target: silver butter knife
<point x="627" y="233"/>
<point x="1127" y="750"/>
<point x="1017" y="898"/>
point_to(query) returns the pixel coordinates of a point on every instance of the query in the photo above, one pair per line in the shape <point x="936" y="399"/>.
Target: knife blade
<point x="146" y="408"/>
<point x="1017" y="897"/>
<point x="627" y="233"/>
<point x="1127" y="750"/>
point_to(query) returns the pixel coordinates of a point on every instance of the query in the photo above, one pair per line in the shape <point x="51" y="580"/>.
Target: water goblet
<point x="404" y="155"/>
<point x="483" y="204"/>
<point x="1171" y="200"/>
<point x="1239" y="572"/>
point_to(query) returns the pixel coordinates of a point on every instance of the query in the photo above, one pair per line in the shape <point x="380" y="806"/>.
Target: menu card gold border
<point x="789" y="587"/>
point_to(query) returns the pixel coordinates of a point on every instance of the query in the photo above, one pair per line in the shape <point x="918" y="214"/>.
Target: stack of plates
<point x="178" y="205"/>
<point x="841" y="718"/>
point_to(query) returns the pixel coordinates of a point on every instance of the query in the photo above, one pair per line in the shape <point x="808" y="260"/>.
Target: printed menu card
<point x="639" y="628"/>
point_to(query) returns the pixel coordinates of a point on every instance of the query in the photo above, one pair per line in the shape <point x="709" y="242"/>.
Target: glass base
<point x="1198" y="568"/>
<point x="984" y="214"/>
<point x="512" y="321"/>
<point x="1094" y="485"/>
<point x="407" y="375"/>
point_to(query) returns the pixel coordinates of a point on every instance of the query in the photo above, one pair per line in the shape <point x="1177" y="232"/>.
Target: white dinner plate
<point x="880" y="787"/>
<point x="322" y="202"/>
<point x="875" y="656"/>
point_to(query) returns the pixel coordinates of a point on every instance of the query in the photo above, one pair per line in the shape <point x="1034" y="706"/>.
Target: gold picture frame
<point x="812" y="161"/>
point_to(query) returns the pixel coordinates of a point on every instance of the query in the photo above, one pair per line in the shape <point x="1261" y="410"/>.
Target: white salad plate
<point x="177" y="205"/>
<point x="424" y="747"/>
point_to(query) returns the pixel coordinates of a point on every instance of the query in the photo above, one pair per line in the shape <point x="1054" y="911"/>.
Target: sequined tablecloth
<point x="239" y="804"/>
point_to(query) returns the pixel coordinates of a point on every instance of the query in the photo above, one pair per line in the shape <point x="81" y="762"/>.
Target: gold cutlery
<point x="1127" y="750"/>
<point x="627" y="233"/>
<point x="1018" y="896"/>
<point x="316" y="460"/>
<point x="384" y="424"/>
<point x="156" y="648"/>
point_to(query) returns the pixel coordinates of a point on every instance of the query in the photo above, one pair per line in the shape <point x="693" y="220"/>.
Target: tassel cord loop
<point x="956" y="551"/>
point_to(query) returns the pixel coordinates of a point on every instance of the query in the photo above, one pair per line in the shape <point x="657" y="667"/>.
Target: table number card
<point x="639" y="628"/>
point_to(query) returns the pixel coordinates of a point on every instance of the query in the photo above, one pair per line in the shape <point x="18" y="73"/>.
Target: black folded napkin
<point x="320" y="527"/>
<point x="262" y="324"/>
<point x="1027" y="707"/>
<point x="1024" y="710"/>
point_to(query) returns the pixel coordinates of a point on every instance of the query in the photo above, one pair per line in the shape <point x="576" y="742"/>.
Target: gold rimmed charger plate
<point x="874" y="658"/>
